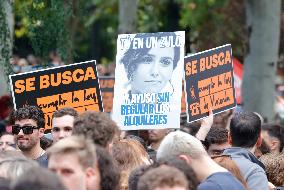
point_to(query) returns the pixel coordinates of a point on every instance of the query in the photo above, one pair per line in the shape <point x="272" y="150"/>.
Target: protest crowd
<point x="88" y="150"/>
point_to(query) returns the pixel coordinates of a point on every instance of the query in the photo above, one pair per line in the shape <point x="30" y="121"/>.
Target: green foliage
<point x="6" y="42"/>
<point x="45" y="23"/>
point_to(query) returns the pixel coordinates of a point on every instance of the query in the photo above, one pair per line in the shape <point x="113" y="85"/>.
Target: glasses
<point x="27" y="129"/>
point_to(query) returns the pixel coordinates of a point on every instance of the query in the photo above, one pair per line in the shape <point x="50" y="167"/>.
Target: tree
<point x="263" y="24"/>
<point x="6" y="41"/>
<point x="127" y="16"/>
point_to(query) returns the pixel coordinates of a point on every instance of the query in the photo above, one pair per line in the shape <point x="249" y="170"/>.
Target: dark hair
<point x="185" y="169"/>
<point x="28" y="112"/>
<point x="245" y="128"/>
<point x="136" y="174"/>
<point x="132" y="57"/>
<point x="275" y="130"/>
<point x="216" y="135"/>
<point x="65" y="111"/>
<point x="96" y="125"/>
<point x="161" y="177"/>
<point x="109" y="172"/>
<point x="38" y="178"/>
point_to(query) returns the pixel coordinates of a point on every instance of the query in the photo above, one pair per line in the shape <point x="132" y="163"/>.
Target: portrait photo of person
<point x="149" y="70"/>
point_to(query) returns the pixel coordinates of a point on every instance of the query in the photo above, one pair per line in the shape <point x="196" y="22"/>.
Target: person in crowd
<point x="155" y="137"/>
<point x="190" y="149"/>
<point x="12" y="168"/>
<point x="273" y="135"/>
<point x="149" y="70"/>
<point x="135" y="175"/>
<point x="110" y="175"/>
<point x="6" y="107"/>
<point x="128" y="154"/>
<point x="28" y="127"/>
<point x="163" y="177"/>
<point x="244" y="136"/>
<point x="216" y="140"/>
<point x="98" y="126"/>
<point x="62" y="123"/>
<point x="7" y="142"/>
<point x="226" y="162"/>
<point x="184" y="168"/>
<point x="263" y="149"/>
<point x="74" y="160"/>
<point x="10" y="154"/>
<point x="274" y="167"/>
<point x="37" y="179"/>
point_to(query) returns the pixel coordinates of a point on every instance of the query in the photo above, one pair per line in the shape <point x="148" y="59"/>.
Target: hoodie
<point x="251" y="168"/>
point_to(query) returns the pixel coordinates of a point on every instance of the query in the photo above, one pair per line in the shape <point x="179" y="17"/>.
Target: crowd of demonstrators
<point x="87" y="151"/>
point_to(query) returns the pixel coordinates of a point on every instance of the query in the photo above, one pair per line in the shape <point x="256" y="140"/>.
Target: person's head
<point x="109" y="172"/>
<point x="28" y="127"/>
<point x="7" y="142"/>
<point x="163" y="177"/>
<point x="12" y="168"/>
<point x="135" y="175"/>
<point x="273" y="135"/>
<point x="180" y="143"/>
<point x="74" y="160"/>
<point x="62" y="123"/>
<point x="217" y="140"/>
<point x="184" y="168"/>
<point x="128" y="154"/>
<point x="37" y="178"/>
<point x="96" y="125"/>
<point x="157" y="135"/>
<point x="274" y="168"/>
<point x="245" y="128"/>
<point x="263" y="149"/>
<point x="150" y="69"/>
<point x="226" y="162"/>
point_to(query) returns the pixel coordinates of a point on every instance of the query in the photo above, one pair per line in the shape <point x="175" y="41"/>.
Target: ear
<point x="274" y="144"/>
<point x="90" y="172"/>
<point x="185" y="158"/>
<point x="41" y="132"/>
<point x="259" y="141"/>
<point x="230" y="141"/>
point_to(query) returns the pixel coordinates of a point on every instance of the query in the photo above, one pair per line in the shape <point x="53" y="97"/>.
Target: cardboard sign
<point x="209" y="82"/>
<point x="107" y="86"/>
<point x="148" y="75"/>
<point x="50" y="89"/>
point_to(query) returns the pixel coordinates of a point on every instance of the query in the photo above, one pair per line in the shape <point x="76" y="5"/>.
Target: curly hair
<point x="216" y="135"/>
<point x="132" y="57"/>
<point x="28" y="112"/>
<point x="274" y="167"/>
<point x="65" y="111"/>
<point x="96" y="125"/>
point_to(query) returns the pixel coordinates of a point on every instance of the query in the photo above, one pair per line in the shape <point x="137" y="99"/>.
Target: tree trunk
<point x="263" y="22"/>
<point x="6" y="44"/>
<point x="127" y="16"/>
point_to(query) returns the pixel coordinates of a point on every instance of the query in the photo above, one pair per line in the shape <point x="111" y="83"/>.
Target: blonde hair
<point x="177" y="143"/>
<point x="83" y="148"/>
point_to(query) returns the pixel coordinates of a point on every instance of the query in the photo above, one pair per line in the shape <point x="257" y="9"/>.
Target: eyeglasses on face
<point x="27" y="129"/>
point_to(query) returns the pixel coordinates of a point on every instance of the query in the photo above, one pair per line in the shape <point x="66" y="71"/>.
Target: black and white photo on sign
<point x="148" y="79"/>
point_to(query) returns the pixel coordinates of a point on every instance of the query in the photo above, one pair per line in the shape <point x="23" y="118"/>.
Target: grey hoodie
<point x="251" y="168"/>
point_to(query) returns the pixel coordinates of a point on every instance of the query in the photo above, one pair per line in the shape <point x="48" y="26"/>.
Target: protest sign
<point x="209" y="82"/>
<point x="107" y="85"/>
<point x="50" y="89"/>
<point x="148" y="87"/>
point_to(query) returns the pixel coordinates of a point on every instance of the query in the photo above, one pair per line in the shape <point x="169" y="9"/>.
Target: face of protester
<point x="154" y="71"/>
<point x="157" y="135"/>
<point x="272" y="142"/>
<point x="217" y="149"/>
<point x="7" y="142"/>
<point x="69" y="169"/>
<point x="27" y="142"/>
<point x="62" y="127"/>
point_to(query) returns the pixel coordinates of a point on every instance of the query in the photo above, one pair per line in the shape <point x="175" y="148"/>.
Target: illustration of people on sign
<point x="149" y="70"/>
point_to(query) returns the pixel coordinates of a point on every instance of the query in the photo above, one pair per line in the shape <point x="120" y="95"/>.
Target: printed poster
<point x="74" y="85"/>
<point x="148" y="80"/>
<point x="209" y="82"/>
<point x="107" y="85"/>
